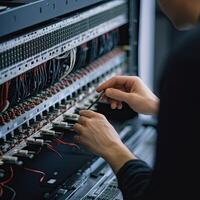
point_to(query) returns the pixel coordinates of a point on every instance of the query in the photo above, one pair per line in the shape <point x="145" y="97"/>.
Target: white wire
<point x="6" y="106"/>
<point x="72" y="54"/>
<point x="63" y="56"/>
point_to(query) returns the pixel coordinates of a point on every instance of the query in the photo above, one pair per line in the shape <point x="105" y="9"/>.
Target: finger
<point x="78" y="139"/>
<point x="88" y="113"/>
<point x="82" y="120"/>
<point x="78" y="128"/>
<point x="113" y="104"/>
<point x="117" y="94"/>
<point x="104" y="98"/>
<point x="118" y="80"/>
<point x="119" y="105"/>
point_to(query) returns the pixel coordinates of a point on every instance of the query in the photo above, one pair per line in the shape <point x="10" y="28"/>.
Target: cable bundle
<point x="82" y="53"/>
<point x="49" y="73"/>
<point x="4" y="103"/>
<point x="32" y="82"/>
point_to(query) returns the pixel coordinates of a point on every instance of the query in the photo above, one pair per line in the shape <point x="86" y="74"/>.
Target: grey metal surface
<point x="133" y="36"/>
<point x="18" y="18"/>
<point x="19" y="68"/>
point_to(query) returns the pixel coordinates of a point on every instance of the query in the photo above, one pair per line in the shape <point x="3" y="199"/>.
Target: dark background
<point x="166" y="38"/>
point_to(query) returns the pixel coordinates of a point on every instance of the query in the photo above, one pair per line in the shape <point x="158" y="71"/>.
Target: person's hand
<point x="131" y="90"/>
<point x="97" y="134"/>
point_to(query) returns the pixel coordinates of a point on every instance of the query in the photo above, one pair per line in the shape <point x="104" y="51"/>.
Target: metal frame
<point x="30" y="14"/>
<point x="134" y="14"/>
<point x="19" y="68"/>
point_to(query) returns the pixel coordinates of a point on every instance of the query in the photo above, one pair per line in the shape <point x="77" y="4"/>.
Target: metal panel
<point x="146" y="41"/>
<point x="34" y="61"/>
<point x="18" y="18"/>
<point x="134" y="6"/>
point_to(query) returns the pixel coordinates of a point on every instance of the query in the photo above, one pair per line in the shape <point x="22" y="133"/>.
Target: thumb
<point x="117" y="94"/>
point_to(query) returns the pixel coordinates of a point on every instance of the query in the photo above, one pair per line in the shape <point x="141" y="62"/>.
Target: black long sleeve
<point x="134" y="177"/>
<point x="176" y="173"/>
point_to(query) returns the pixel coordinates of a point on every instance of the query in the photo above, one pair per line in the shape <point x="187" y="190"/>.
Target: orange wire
<point x="10" y="178"/>
<point x="36" y="171"/>
<point x="1" y="191"/>
<point x="68" y="143"/>
<point x="51" y="148"/>
<point x="6" y="181"/>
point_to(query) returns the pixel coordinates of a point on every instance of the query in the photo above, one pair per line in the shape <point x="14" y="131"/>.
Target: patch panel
<point x="114" y="59"/>
<point x="36" y="137"/>
<point x="60" y="23"/>
<point x="32" y="62"/>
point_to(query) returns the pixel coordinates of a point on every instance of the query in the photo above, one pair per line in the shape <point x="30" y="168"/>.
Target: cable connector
<point x="64" y="125"/>
<point x="73" y="118"/>
<point x="11" y="160"/>
<point x="47" y="132"/>
<point x="32" y="141"/>
<point x="25" y="153"/>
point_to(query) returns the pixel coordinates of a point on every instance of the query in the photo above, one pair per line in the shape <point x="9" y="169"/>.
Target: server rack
<point x="33" y="37"/>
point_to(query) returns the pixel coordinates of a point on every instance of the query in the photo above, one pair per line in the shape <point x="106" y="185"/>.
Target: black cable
<point x="49" y="73"/>
<point x="46" y="75"/>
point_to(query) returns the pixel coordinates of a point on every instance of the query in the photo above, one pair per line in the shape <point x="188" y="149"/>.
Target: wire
<point x="2" y="184"/>
<point x="36" y="171"/>
<point x="1" y="190"/>
<point x="4" y="96"/>
<point x="12" y="190"/>
<point x="72" y="63"/>
<point x="39" y="150"/>
<point x="51" y="148"/>
<point x="47" y="74"/>
<point x="68" y="143"/>
<point x="10" y="178"/>
<point x="65" y="55"/>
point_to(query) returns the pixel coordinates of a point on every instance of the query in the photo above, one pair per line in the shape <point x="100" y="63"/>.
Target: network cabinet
<point x="53" y="55"/>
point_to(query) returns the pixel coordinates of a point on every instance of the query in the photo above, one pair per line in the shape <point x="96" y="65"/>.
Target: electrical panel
<point x="50" y="66"/>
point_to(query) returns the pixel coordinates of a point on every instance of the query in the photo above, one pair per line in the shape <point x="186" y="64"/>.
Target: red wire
<point x="6" y="181"/>
<point x="36" y="171"/>
<point x="51" y="148"/>
<point x="9" y="179"/>
<point x="68" y="143"/>
<point x="4" y="94"/>
<point x="1" y="191"/>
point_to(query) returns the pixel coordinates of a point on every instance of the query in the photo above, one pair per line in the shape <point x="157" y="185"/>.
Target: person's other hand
<point x="131" y="90"/>
<point x="97" y="134"/>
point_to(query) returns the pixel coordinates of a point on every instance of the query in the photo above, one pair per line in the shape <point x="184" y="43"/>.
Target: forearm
<point x="154" y="106"/>
<point x="117" y="156"/>
<point x="133" y="174"/>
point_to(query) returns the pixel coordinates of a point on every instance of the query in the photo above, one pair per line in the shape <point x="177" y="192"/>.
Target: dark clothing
<point x="134" y="178"/>
<point x="176" y="173"/>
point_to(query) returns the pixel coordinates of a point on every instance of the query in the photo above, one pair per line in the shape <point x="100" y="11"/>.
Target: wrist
<point x="154" y="106"/>
<point x="117" y="155"/>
